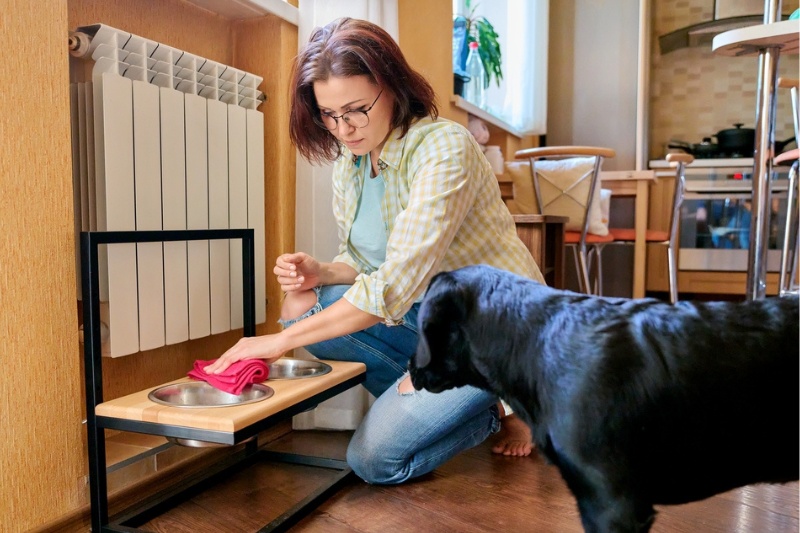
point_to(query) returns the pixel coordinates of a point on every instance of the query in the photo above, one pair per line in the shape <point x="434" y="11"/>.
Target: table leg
<point x="640" y="242"/>
<point x="762" y="171"/>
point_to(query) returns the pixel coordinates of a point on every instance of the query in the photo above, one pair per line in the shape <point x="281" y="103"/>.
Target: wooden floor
<point x="475" y="492"/>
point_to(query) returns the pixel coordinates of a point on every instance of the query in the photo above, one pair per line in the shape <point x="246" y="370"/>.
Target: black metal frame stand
<point x="127" y="520"/>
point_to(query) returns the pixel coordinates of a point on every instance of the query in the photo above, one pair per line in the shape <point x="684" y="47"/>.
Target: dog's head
<point x="444" y="359"/>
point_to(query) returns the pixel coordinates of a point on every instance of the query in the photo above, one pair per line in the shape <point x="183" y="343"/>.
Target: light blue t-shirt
<point x="368" y="234"/>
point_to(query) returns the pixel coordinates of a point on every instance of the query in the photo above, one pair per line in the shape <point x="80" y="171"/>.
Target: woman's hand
<point x="267" y="347"/>
<point x="297" y="272"/>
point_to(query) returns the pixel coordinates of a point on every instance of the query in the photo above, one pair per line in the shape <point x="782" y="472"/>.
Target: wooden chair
<point x="566" y="183"/>
<point x="668" y="238"/>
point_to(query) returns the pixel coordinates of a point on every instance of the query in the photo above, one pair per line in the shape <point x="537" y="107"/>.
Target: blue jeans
<point x="406" y="435"/>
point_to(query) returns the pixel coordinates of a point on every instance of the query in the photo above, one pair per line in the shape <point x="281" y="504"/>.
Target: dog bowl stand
<point x="222" y="425"/>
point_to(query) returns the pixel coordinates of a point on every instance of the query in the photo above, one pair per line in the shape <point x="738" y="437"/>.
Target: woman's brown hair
<point x="350" y="47"/>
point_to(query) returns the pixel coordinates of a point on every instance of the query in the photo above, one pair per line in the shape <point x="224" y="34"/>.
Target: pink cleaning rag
<point x="235" y="378"/>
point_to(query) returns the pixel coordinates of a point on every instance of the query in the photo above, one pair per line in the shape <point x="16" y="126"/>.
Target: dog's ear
<point x="442" y="311"/>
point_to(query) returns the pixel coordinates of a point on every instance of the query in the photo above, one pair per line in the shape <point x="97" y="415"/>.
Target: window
<point x="521" y="99"/>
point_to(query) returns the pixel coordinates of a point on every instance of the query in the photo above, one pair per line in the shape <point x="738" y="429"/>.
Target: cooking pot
<point x="703" y="150"/>
<point x="741" y="141"/>
<point x="732" y="142"/>
<point x="737" y="140"/>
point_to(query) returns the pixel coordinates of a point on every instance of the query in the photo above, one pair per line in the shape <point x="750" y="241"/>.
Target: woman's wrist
<point x="324" y="274"/>
<point x="283" y="341"/>
<point x="336" y="274"/>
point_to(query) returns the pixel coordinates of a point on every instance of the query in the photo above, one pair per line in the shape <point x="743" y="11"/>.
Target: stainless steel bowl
<point x="288" y="368"/>
<point x="201" y="395"/>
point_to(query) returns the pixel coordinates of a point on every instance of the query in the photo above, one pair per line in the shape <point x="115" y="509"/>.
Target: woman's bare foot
<point x="514" y="437"/>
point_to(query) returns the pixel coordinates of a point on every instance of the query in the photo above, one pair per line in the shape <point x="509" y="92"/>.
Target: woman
<point x="413" y="195"/>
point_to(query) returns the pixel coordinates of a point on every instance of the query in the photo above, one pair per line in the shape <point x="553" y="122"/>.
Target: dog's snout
<point x="423" y="356"/>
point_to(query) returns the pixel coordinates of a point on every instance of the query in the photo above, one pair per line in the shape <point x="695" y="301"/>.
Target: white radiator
<point x="163" y="139"/>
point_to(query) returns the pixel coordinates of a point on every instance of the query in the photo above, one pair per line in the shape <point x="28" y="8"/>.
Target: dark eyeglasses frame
<point x="343" y="116"/>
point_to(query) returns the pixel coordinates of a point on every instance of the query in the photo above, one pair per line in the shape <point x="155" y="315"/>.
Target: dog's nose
<point x="416" y="379"/>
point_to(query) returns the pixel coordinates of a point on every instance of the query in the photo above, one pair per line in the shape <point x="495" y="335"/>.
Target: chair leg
<point x="789" y="262"/>
<point x="575" y="253"/>
<point x="786" y="278"/>
<point x="579" y="260"/>
<point x="589" y="262"/>
<point x="583" y="272"/>
<point x="598" y="273"/>
<point x="672" y="267"/>
<point x="793" y="285"/>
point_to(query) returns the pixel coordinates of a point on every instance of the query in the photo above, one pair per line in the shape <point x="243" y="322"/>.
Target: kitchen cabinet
<point x="41" y="393"/>
<point x="696" y="282"/>
<point x="543" y="235"/>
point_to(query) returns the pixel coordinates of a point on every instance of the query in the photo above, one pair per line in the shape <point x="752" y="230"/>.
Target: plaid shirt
<point x="442" y="210"/>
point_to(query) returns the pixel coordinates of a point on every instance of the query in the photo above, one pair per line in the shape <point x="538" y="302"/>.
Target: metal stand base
<point x="96" y="425"/>
<point x="129" y="520"/>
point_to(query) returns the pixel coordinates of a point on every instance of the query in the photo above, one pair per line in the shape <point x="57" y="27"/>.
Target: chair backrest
<point x="679" y="161"/>
<point x="565" y="182"/>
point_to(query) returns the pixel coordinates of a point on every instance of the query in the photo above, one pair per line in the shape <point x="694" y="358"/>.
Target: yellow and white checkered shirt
<point x="442" y="211"/>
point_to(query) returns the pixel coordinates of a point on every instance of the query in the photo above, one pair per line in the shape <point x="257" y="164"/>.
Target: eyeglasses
<point x="356" y="118"/>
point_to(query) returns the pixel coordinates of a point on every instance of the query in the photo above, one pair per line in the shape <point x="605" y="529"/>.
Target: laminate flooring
<point x="473" y="493"/>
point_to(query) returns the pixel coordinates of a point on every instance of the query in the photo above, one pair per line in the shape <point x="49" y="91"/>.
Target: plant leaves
<point x="489" y="50"/>
<point x="481" y="30"/>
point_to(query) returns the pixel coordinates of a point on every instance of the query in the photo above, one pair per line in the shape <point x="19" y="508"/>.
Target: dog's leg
<point x="605" y="505"/>
<point x="604" y="514"/>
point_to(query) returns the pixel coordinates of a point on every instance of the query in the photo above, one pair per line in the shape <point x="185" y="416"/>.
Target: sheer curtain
<point x="315" y="231"/>
<point x="521" y="99"/>
<point x="525" y="66"/>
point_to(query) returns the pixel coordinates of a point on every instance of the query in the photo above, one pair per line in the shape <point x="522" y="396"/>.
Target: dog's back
<point x="698" y="398"/>
<point x="710" y="394"/>
<point x="638" y="402"/>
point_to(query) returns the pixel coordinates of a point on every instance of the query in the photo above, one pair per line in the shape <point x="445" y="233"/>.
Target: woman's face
<point x="336" y="96"/>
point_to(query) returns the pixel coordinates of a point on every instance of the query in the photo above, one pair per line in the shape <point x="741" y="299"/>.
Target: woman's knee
<point x="296" y="303"/>
<point x="369" y="461"/>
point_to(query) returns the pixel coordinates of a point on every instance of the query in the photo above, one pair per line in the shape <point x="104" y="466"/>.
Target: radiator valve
<point x="78" y="43"/>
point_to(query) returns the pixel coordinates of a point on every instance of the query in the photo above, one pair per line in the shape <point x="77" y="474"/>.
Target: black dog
<point x="638" y="402"/>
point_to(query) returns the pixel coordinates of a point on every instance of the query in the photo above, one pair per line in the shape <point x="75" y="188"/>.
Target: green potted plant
<point x="481" y="30"/>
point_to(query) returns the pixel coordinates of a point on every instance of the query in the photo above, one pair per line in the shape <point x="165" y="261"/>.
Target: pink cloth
<point x="235" y="378"/>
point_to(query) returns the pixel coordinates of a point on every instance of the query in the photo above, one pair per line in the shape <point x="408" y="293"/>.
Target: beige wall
<point x="695" y="93"/>
<point x="592" y="76"/>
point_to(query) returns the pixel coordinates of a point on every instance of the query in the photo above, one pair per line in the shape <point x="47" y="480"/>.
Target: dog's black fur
<point x="637" y="402"/>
